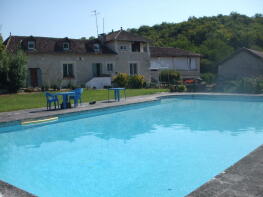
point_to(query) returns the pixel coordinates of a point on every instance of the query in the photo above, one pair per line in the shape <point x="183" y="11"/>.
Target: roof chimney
<point x="121" y="28"/>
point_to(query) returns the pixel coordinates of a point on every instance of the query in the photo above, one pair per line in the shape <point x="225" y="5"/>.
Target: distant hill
<point x="214" y="37"/>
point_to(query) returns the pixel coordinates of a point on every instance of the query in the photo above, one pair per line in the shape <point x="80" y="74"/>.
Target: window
<point x="123" y="48"/>
<point x="145" y="49"/>
<point x="68" y="71"/>
<point x="96" y="47"/>
<point x="110" y="67"/>
<point x="136" y="47"/>
<point x="133" y="69"/>
<point x="65" y="46"/>
<point x="31" y="45"/>
<point x="189" y="63"/>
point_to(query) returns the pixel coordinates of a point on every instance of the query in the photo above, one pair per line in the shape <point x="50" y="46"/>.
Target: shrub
<point x="44" y="88"/>
<point x="181" y="88"/>
<point x="71" y="85"/>
<point x="136" y="81"/>
<point x="244" y="85"/>
<point x="169" y="76"/>
<point x="259" y="86"/>
<point x="177" y="88"/>
<point x="55" y="87"/>
<point x="121" y="80"/>
<point x="209" y="78"/>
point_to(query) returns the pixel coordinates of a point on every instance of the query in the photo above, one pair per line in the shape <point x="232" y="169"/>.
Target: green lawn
<point x="11" y="102"/>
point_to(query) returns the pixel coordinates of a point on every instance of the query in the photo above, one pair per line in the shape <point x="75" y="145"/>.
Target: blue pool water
<point x="164" y="148"/>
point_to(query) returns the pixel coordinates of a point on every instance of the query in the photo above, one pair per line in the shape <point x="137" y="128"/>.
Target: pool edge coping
<point x="8" y="190"/>
<point x="242" y="179"/>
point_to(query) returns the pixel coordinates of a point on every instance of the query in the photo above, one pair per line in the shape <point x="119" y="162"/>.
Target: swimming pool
<point x="163" y="148"/>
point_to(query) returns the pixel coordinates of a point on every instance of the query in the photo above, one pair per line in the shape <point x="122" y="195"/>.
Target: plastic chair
<point x="77" y="96"/>
<point x="51" y="98"/>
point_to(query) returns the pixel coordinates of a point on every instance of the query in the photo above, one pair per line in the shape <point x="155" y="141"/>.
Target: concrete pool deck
<point x="243" y="179"/>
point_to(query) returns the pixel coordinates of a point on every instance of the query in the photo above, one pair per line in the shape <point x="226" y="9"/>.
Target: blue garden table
<point x="116" y="93"/>
<point x="65" y="96"/>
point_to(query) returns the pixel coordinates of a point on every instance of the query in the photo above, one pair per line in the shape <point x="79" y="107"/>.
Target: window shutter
<point x="131" y="69"/>
<point x="70" y="70"/>
<point x="94" y="69"/>
<point x="65" y="70"/>
<point x="135" y="69"/>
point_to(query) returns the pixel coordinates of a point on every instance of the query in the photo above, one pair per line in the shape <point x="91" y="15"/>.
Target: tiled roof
<point x="55" y="45"/>
<point x="258" y="54"/>
<point x="122" y="35"/>
<point x="171" y="52"/>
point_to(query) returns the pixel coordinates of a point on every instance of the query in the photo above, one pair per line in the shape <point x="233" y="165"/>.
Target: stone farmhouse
<point x="242" y="63"/>
<point x="64" y="61"/>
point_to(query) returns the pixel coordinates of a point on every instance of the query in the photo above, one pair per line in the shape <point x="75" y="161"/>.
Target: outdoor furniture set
<point x="75" y="95"/>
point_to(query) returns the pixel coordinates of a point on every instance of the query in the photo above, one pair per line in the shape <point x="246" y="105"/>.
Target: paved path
<point x="42" y="112"/>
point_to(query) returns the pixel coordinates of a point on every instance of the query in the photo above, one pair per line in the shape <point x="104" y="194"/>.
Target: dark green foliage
<point x="181" y="88"/>
<point x="178" y="88"/>
<point x="121" y="80"/>
<point x="214" y="37"/>
<point x="209" y="78"/>
<point x="246" y="85"/>
<point x="12" y="70"/>
<point x="124" y="80"/>
<point x="4" y="67"/>
<point x="17" y="71"/>
<point x="136" y="81"/>
<point x="169" y="76"/>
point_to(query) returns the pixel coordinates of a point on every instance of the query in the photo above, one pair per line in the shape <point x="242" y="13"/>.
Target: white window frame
<point x="113" y="65"/>
<point x="31" y="42"/>
<point x="138" y="68"/>
<point x="123" y="47"/>
<point x="189" y="63"/>
<point x="65" y="48"/>
<point x="73" y="68"/>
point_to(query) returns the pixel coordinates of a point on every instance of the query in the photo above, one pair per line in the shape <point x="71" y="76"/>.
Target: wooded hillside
<point x="214" y="37"/>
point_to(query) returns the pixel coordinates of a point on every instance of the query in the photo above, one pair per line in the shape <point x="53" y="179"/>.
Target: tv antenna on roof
<point x="95" y="13"/>
<point x="103" y="25"/>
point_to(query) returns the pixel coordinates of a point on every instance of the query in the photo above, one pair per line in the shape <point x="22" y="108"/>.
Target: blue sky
<point x="73" y="18"/>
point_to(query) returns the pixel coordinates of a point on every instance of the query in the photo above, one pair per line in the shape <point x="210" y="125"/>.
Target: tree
<point x="3" y="66"/>
<point x="17" y="71"/>
<point x="214" y="37"/>
<point x="12" y="69"/>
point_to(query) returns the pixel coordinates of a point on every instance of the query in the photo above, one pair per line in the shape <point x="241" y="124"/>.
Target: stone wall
<point x="51" y="66"/>
<point x="242" y="64"/>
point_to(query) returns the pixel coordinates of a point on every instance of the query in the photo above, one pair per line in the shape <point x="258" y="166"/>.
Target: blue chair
<point x="77" y="96"/>
<point x="51" y="98"/>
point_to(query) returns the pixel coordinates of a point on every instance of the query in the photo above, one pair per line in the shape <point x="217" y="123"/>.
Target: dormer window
<point x="123" y="48"/>
<point x="96" y="47"/>
<point x="65" y="46"/>
<point x="31" y="45"/>
<point x="136" y="47"/>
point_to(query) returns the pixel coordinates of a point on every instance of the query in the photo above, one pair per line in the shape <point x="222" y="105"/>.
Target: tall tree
<point x="214" y="37"/>
<point x="12" y="69"/>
